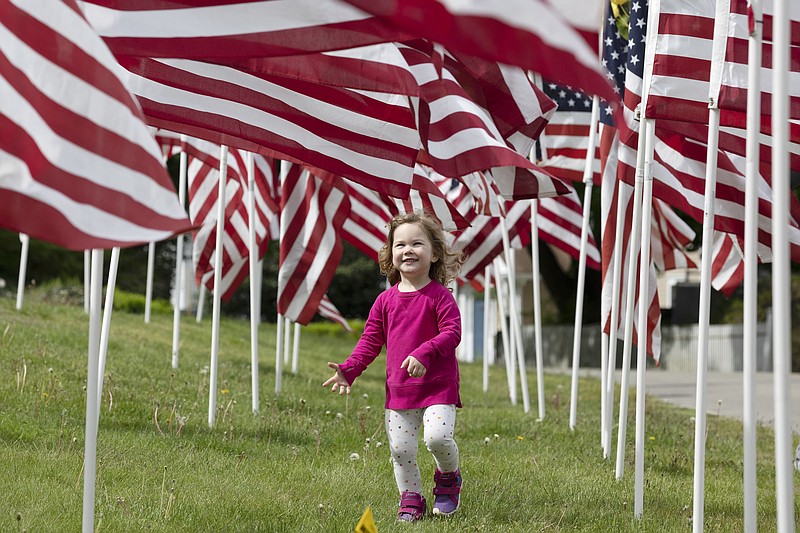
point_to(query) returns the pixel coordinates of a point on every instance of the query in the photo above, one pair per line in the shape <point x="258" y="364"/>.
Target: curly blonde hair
<point x="449" y="263"/>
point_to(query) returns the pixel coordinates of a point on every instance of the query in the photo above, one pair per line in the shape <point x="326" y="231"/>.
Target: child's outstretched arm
<point x="337" y="380"/>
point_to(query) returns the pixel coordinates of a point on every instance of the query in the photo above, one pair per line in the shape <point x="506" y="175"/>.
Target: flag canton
<point x="567" y="98"/>
<point x="636" y="37"/>
<point x="614" y="60"/>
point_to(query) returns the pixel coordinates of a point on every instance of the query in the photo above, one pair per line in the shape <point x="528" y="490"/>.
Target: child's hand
<point x="414" y="367"/>
<point x="337" y="380"/>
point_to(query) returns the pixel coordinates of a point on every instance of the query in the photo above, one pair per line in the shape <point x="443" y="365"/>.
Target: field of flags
<point x="300" y="124"/>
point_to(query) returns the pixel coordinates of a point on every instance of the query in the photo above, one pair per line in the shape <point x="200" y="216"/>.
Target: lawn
<point x="291" y="467"/>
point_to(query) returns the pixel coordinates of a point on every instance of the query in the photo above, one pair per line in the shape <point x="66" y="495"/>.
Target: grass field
<point x="289" y="468"/>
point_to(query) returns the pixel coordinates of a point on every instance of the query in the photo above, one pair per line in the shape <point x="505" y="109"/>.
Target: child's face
<point x="412" y="252"/>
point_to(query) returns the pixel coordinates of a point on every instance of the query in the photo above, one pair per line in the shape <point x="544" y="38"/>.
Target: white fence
<point x="678" y="347"/>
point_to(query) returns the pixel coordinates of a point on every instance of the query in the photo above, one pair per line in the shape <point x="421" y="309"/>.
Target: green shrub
<point x="130" y="302"/>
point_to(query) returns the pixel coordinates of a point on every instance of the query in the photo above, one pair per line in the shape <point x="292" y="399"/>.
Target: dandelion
<point x="520" y="437"/>
<point x="302" y="401"/>
<point x="327" y="413"/>
<point x="368" y="440"/>
<point x="378" y="444"/>
<point x="652" y="437"/>
<point x="487" y="440"/>
<point x="354" y="457"/>
<point x="365" y="395"/>
<point x="339" y="415"/>
<point x="496" y="436"/>
<point x="368" y="408"/>
<point x="204" y="370"/>
<point x="225" y="391"/>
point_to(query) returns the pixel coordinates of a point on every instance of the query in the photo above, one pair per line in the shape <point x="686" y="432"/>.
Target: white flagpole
<point x="279" y="356"/>
<point x="95" y="286"/>
<point x="255" y="288"/>
<point x="201" y="301"/>
<point x="752" y="177"/>
<point x="87" y="262"/>
<point x="781" y="274"/>
<point x="644" y="308"/>
<point x="537" y="308"/>
<point x="515" y="317"/>
<point x="284" y="169"/>
<point x="630" y="301"/>
<point x="287" y="346"/>
<point x="221" y="201"/>
<point x="487" y="300"/>
<point x="504" y="334"/>
<point x="23" y="268"/>
<point x="617" y="294"/>
<point x="176" y="311"/>
<point x="113" y="267"/>
<point x="148" y="293"/>
<point x="296" y="348"/>
<point x="468" y="310"/>
<point x="458" y="295"/>
<point x="588" y="171"/>
<point x="704" y="320"/>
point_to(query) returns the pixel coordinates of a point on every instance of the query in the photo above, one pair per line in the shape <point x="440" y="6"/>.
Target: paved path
<point x="680" y="388"/>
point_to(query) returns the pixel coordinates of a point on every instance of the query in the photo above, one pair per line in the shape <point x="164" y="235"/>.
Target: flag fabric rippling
<point x="78" y="166"/>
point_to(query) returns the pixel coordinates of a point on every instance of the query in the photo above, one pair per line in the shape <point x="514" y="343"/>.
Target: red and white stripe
<point x="367" y="224"/>
<point x="328" y="310"/>
<point x="219" y="29"/>
<point x="533" y="34"/>
<point x="609" y="217"/>
<point x="560" y="224"/>
<point x="679" y="180"/>
<point x="378" y="67"/>
<point x="727" y="265"/>
<point x="78" y="166"/>
<point x="460" y="136"/>
<point x="371" y="138"/>
<point x="564" y="143"/>
<point x="203" y="187"/>
<point x="670" y="236"/>
<point x="732" y="82"/>
<point x="682" y="76"/>
<point x="426" y="196"/>
<point x="312" y="214"/>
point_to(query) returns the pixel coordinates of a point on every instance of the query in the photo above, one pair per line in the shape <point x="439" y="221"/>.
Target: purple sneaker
<point x="446" y="492"/>
<point x="412" y="507"/>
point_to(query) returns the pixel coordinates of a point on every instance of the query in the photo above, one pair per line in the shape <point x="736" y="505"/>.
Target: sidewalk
<point x="680" y="388"/>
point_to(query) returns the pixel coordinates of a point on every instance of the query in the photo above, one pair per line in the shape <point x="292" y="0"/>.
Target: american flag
<point x="79" y="167"/>
<point x="426" y="196"/>
<point x="367" y="223"/>
<point x="623" y="60"/>
<point x="204" y="175"/>
<point x="560" y="224"/>
<point x="727" y="266"/>
<point x="224" y="29"/>
<point x="460" y="133"/>
<point x="733" y="81"/>
<point x="312" y="214"/>
<point x="682" y="73"/>
<point x="532" y="34"/>
<point x="565" y="139"/>
<point x="371" y="138"/>
<point x="328" y="310"/>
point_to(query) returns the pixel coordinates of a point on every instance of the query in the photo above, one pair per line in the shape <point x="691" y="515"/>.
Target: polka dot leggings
<point x="402" y="429"/>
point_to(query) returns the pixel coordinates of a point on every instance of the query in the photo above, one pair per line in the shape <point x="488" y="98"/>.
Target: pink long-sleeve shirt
<point x="424" y="323"/>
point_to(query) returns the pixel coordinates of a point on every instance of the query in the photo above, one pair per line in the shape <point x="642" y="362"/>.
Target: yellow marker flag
<point x="367" y="523"/>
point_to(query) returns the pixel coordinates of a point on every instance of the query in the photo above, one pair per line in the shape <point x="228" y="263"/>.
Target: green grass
<point x="288" y="468"/>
